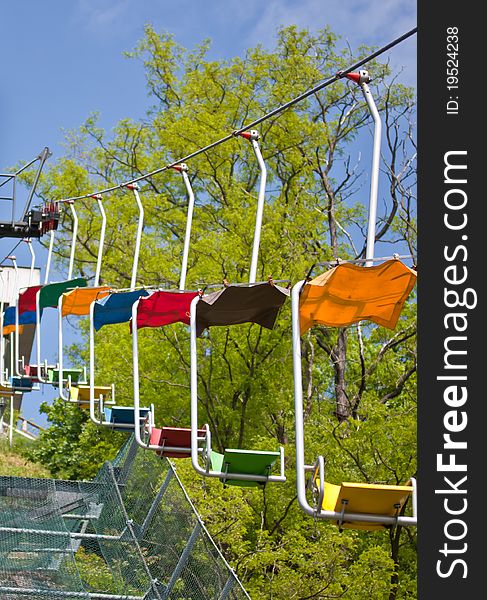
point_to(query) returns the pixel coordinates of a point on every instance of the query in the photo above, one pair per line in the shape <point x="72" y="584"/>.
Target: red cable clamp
<point x="132" y="186"/>
<point x="360" y="77"/>
<point x="249" y="135"/>
<point x="180" y="167"/>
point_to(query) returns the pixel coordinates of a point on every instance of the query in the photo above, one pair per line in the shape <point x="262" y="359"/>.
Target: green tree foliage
<point x="72" y="447"/>
<point x="359" y="381"/>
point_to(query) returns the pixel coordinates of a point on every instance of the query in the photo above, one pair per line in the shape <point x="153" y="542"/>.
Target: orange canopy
<point x="349" y="293"/>
<point x="11" y="329"/>
<point x="77" y="302"/>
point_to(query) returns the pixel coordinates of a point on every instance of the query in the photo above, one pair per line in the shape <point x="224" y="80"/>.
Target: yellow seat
<point x="80" y="394"/>
<point x="365" y="498"/>
<point x="8" y="391"/>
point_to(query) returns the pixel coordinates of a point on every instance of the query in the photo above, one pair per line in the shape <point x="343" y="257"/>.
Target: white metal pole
<point x="17" y="339"/>
<point x="14" y="337"/>
<point x="194" y="387"/>
<point x="73" y="241"/>
<point x="38" y="339"/>
<point x="135" y="359"/>
<point x="11" y="432"/>
<point x="363" y="78"/>
<point x="49" y="256"/>
<point x="189" y="219"/>
<point x="32" y="261"/>
<point x="60" y="348"/>
<point x="253" y="136"/>
<point x="140" y="226"/>
<point x="260" y="210"/>
<point x="298" y="401"/>
<point x="92" y="370"/>
<point x="2" y="341"/>
<point x="102" y="238"/>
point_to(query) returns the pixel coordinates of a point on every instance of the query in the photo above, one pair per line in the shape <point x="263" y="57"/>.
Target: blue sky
<point x="63" y="59"/>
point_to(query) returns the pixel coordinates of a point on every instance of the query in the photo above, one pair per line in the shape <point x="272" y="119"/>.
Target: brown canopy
<point x="257" y="303"/>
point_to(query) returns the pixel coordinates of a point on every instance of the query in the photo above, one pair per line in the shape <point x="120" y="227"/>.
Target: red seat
<point x="173" y="437"/>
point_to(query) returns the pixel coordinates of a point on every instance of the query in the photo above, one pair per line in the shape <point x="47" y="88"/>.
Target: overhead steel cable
<point x="279" y="109"/>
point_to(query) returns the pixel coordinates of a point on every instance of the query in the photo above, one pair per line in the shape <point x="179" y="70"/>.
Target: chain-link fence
<point x="130" y="533"/>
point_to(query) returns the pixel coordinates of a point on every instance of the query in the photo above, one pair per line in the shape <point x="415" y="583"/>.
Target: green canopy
<point x="49" y="294"/>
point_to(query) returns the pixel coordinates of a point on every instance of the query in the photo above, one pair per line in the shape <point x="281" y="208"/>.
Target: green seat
<point x="75" y="374"/>
<point x="248" y="462"/>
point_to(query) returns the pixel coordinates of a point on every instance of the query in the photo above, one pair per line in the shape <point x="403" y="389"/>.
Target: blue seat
<point x="22" y="383"/>
<point x="121" y="418"/>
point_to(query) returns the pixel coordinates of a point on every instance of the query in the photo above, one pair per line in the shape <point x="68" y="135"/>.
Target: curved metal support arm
<point x="374" y="179"/>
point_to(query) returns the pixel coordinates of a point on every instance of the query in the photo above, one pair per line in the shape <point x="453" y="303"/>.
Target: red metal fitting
<point x="360" y="77"/>
<point x="354" y="77"/>
<point x="181" y="167"/>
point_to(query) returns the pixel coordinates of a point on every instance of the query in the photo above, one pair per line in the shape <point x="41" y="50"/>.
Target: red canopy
<point x="163" y="308"/>
<point x="27" y="299"/>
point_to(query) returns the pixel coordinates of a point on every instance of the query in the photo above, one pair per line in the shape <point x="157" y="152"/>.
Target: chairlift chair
<point x="119" y="418"/>
<point x="355" y="505"/>
<point x="233" y="305"/>
<point x="158" y="309"/>
<point x="80" y="394"/>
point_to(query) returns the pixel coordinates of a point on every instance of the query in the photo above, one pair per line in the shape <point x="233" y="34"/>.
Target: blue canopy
<point x="26" y="318"/>
<point x="115" y="308"/>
